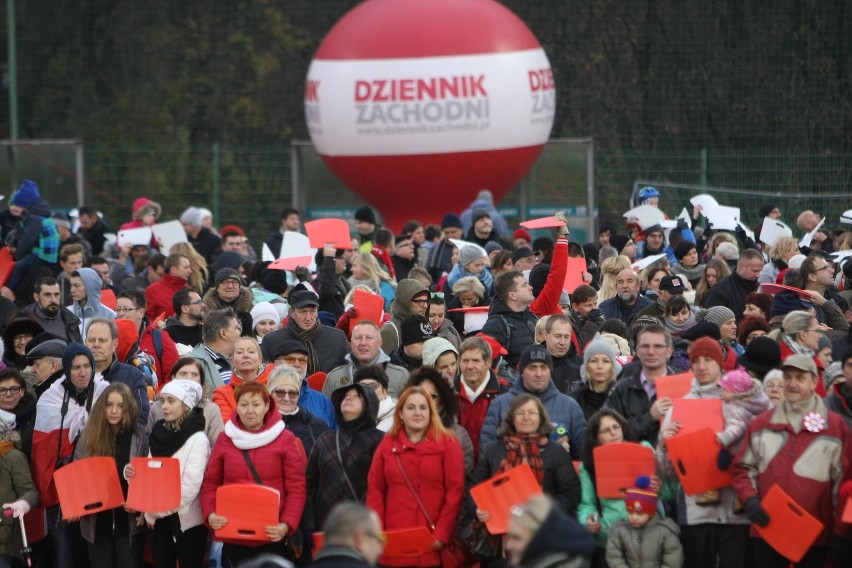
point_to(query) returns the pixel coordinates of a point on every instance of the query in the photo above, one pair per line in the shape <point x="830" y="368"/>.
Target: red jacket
<point x="280" y="465"/>
<point x="170" y="353"/>
<point x="472" y="414"/>
<point x="435" y="469"/>
<point x="808" y="466"/>
<point x="547" y="301"/>
<point x="224" y="395"/>
<point x="159" y="296"/>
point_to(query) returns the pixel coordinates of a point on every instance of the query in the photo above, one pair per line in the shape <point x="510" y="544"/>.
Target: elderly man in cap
<point x="44" y="357"/>
<point x="536" y="368"/>
<point x="228" y="291"/>
<point x="327" y="347"/>
<point x="366" y="346"/>
<point x="295" y="354"/>
<point x="806" y="451"/>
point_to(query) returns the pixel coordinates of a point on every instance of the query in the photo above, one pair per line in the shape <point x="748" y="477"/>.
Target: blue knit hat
<point x="451" y="220"/>
<point x="26" y="195"/>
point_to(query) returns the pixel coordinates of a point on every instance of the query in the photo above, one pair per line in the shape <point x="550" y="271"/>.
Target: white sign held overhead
<point x="643" y="263"/>
<point x="724" y="218"/>
<point x="139" y="236"/>
<point x="169" y="234"/>
<point x="645" y="216"/>
<point x="297" y="244"/>
<point x="704" y="201"/>
<point x="772" y="230"/>
<point x="807" y="239"/>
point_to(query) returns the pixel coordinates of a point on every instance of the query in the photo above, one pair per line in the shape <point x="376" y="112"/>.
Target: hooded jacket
<point x="560" y="542"/>
<point x="399" y="310"/>
<point x="93" y="307"/>
<point x="37" y="234"/>
<point x="655" y="544"/>
<point x="56" y="432"/>
<point x="356" y="441"/>
<point x="279" y="462"/>
<point x="159" y="296"/>
<point x="561" y="408"/>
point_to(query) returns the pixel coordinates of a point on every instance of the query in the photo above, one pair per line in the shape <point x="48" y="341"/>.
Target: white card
<point x="169" y="234"/>
<point x="772" y="230"/>
<point x="645" y="216"/>
<point x="139" y="236"/>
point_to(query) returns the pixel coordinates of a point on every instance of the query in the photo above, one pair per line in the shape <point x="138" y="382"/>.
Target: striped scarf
<point x="524" y="448"/>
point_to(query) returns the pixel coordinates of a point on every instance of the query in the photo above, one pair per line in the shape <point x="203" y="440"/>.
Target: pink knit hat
<point x="736" y="382"/>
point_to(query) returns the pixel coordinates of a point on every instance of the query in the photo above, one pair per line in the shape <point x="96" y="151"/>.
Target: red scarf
<point x="524" y="448"/>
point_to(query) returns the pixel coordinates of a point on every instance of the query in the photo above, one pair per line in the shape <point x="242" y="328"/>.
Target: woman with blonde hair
<point x="200" y="277"/>
<point x="800" y="334"/>
<point x="367" y="272"/>
<point x="715" y="241"/>
<point x="248" y="367"/>
<point x="780" y="254"/>
<point x="714" y="271"/>
<point x="609" y="272"/>
<point x="114" y="537"/>
<point x="417" y="478"/>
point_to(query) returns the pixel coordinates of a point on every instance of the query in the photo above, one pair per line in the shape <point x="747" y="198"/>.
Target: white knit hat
<point x="188" y="392"/>
<point x="264" y="311"/>
<point x="7" y="421"/>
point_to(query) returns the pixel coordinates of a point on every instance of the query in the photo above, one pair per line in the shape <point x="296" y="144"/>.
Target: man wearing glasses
<point x="818" y="278"/>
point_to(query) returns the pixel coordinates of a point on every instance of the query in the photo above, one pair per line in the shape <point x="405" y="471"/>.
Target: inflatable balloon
<point x="417" y="105"/>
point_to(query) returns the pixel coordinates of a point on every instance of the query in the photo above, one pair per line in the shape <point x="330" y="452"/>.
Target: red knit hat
<point x="522" y="234"/>
<point x="706" y="347"/>
<point x="641" y="499"/>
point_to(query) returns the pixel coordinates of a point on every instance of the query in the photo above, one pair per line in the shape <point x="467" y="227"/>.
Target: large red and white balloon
<point x="416" y="105"/>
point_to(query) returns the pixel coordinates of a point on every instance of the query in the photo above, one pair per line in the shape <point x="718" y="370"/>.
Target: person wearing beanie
<point x="743" y="399"/>
<point x="688" y="264"/>
<point x="229" y="291"/>
<point x="761" y="355"/>
<point x="655" y="241"/>
<point x="414" y="332"/>
<point x="523" y="259"/>
<point x="521" y="238"/>
<point x="18" y="493"/>
<point x="145" y="214"/>
<point x="839" y="388"/>
<point x="482" y="229"/>
<point x="644" y="539"/>
<point x="443" y="355"/>
<point x="484" y="202"/>
<point x="599" y="372"/>
<point x="440" y="259"/>
<point x="180" y="435"/>
<point x="797" y="430"/>
<point x="725" y="320"/>
<point x="204" y="241"/>
<point x="36" y="239"/>
<point x="365" y="227"/>
<point x="264" y="320"/>
<point x="473" y="261"/>
<point x="536" y="367"/>
<point x="624" y="245"/>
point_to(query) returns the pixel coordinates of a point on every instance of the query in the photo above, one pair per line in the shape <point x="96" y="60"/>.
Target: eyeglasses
<point x="197" y="302"/>
<point x="611" y="430"/>
<point x="125" y="310"/>
<point x="370" y="384"/>
<point x="525" y="413"/>
<point x="284" y="393"/>
<point x="11" y="390"/>
<point x="229" y="283"/>
<point x="23" y="338"/>
<point x="290" y="360"/>
<point x="421" y="302"/>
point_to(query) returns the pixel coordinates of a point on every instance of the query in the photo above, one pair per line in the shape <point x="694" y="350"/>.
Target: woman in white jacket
<point x="180" y="535"/>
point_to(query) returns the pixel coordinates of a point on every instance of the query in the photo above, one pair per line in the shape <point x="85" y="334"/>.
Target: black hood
<point x="367" y="419"/>
<point x="558" y="533"/>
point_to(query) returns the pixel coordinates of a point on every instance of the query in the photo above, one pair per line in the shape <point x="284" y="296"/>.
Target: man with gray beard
<point x="627" y="302"/>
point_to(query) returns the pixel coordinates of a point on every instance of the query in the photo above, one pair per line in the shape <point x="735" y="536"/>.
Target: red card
<point x="35" y="523"/>
<point x="769" y="288"/>
<point x="249" y="510"/>
<point x="319" y="540"/>
<point x="574" y="274"/>
<point x="674" y="386"/>
<point x="334" y="231"/>
<point x="542" y="223"/>
<point x="108" y="299"/>
<point x="291" y="263"/>
<point x="156" y="486"/>
<point x="697" y="413"/>
<point x="693" y="456"/>
<point x="370" y="307"/>
<point x="847" y="512"/>
<point x="618" y="465"/>
<point x="316" y="381"/>
<point x="503" y="491"/>
<point x="100" y="492"/>
<point x="791" y="530"/>
<point x="408" y="542"/>
<point x="7" y="265"/>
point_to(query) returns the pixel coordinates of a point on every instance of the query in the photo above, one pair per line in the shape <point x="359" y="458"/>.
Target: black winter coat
<point x="513" y="330"/>
<point x="560" y="478"/>
<point x="306" y="427"/>
<point x="631" y="401"/>
<point x="590" y="401"/>
<point x="731" y="292"/>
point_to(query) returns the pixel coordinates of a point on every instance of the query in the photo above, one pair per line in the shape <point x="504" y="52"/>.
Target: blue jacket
<point x="614" y="308"/>
<point x="135" y="381"/>
<point x="318" y="404"/>
<point x="562" y="409"/>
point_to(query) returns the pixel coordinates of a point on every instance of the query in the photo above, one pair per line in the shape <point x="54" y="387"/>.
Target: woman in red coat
<point x="279" y="463"/>
<point x="417" y="477"/>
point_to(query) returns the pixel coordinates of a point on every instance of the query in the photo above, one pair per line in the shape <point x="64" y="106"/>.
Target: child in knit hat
<point x="743" y="399"/>
<point x="644" y="539"/>
<point x="18" y="493"/>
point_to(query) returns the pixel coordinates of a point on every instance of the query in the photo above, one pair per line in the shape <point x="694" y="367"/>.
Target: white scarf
<point x="472" y="395"/>
<point x="245" y="440"/>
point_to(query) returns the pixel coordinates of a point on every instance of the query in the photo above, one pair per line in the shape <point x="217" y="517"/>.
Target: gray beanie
<point x="192" y="216"/>
<point x="599" y="346"/>
<point x="717" y="315"/>
<point x="434" y="348"/>
<point x="469" y="253"/>
<point x="832" y="372"/>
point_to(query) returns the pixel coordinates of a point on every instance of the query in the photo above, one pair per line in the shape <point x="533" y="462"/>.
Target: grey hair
<point x="796" y="322"/>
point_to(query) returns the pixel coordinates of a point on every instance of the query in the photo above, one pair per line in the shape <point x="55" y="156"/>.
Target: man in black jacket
<point x="353" y="538"/>
<point x="731" y="291"/>
<point x="510" y="320"/>
<point x="635" y="396"/>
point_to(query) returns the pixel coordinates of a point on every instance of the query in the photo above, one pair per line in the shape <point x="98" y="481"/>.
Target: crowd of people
<point x="478" y="361"/>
